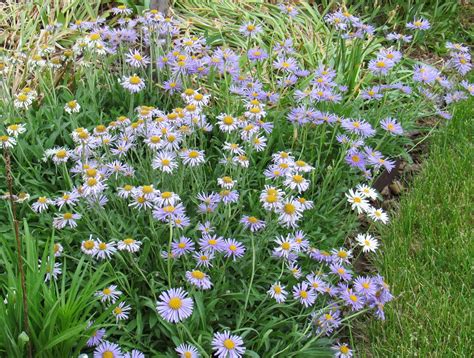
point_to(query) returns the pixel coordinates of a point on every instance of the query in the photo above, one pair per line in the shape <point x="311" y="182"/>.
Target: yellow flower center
<point x="229" y="344"/>
<point x="102" y="246"/>
<point x="61" y="153"/>
<point x="89" y="244"/>
<point x="228" y="120"/>
<point x="193" y="154"/>
<point x="175" y="303"/>
<point x="67" y="216"/>
<point x="285" y="246"/>
<point x="304" y="294"/>
<point x="42" y="200"/>
<point x="128" y="241"/>
<point x="106" y="291"/>
<point x="147" y="189"/>
<point x="94" y="37"/>
<point x="134" y="80"/>
<point x="198" y="274"/>
<point x="108" y="354"/>
<point x="289" y="209"/>
<point x="277" y="290"/>
<point x="298" y="179"/>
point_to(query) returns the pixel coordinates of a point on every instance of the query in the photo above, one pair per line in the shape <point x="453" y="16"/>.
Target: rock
<point x="396" y="187"/>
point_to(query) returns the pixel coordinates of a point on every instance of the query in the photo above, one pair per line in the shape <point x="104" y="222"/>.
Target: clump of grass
<point x="426" y="254"/>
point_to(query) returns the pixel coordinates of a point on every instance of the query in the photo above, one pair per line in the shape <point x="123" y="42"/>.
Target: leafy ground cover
<point x="195" y="185"/>
<point x="424" y="254"/>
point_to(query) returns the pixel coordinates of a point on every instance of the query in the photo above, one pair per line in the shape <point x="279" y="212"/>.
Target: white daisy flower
<point x="368" y="242"/>
<point x="358" y="201"/>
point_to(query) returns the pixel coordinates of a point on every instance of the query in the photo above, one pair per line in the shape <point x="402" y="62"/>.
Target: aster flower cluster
<point x="197" y="176"/>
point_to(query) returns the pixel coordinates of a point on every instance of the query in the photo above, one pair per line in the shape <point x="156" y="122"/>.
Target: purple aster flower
<point x="355" y="159"/>
<point x="199" y="279"/>
<point x="341" y="271"/>
<point x="352" y="299"/>
<point x="233" y="248"/>
<point x="468" y="86"/>
<point x="425" y="74"/>
<point x="182" y="246"/>
<point x="257" y="54"/>
<point x="169" y="213"/>
<point x="365" y="286"/>
<point x="461" y="62"/>
<point x="418" y="24"/>
<point x="96" y="338"/>
<point x="358" y="126"/>
<point x="252" y="223"/>
<point x="134" y="354"/>
<point x="174" y="305"/>
<point x="327" y="322"/>
<point x="392" y="126"/>
<point x="229" y="196"/>
<point x="171" y="86"/>
<point x="304" y="293"/>
<point x="445" y="115"/>
<point x="227" y="345"/>
<point x="372" y="93"/>
<point x="288" y="64"/>
<point x="250" y="29"/>
<point x="320" y="255"/>
<point x="212" y="243"/>
<point x="288" y="9"/>
<point x="284" y="47"/>
<point x="108" y="349"/>
<point x="380" y="66"/>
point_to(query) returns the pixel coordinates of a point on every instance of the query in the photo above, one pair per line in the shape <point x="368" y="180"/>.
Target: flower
<point x="186" y="350"/>
<point x="368" y="242"/>
<point x="378" y="215"/>
<point x="358" y="201"/>
<point x="72" y="107"/>
<point x="135" y="59"/>
<point x="16" y="129"/>
<point x="129" y="244"/>
<point x="305" y="294"/>
<point x="290" y="212"/>
<point x="227" y="345"/>
<point x="192" y="157"/>
<point x="109" y="294"/>
<point x="418" y="24"/>
<point x="233" y="248"/>
<point x="182" y="246"/>
<point x="7" y="141"/>
<point x="105" y="250"/>
<point x="133" y="83"/>
<point x="96" y="338"/>
<point x="367" y="191"/>
<point x="41" y="204"/>
<point x="121" y="312"/>
<point x="89" y="247"/>
<point x="252" y="223"/>
<point x="199" y="279"/>
<point x="342" y="350"/>
<point x="108" y="350"/>
<point x="174" y="305"/>
<point x="250" y="29"/>
<point x="66" y="219"/>
<point x="391" y="126"/>
<point x="277" y="291"/>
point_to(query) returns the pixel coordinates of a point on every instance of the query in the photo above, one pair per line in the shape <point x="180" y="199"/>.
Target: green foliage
<point x="59" y="311"/>
<point x="426" y="254"/>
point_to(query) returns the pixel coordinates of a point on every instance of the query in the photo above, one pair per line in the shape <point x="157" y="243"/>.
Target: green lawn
<point x="427" y="255"/>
